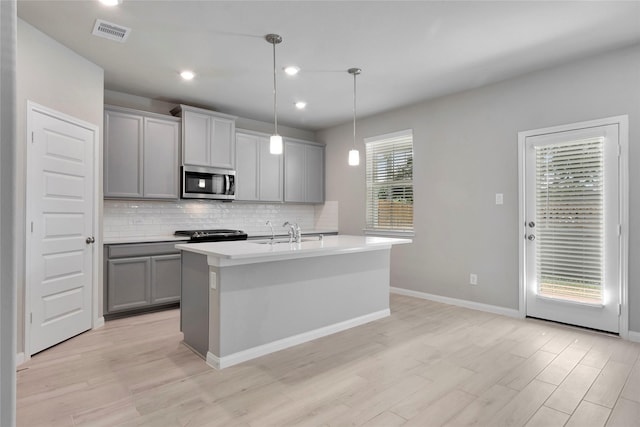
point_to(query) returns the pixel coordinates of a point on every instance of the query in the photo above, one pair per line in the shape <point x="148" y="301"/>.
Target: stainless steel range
<point x="222" y="235"/>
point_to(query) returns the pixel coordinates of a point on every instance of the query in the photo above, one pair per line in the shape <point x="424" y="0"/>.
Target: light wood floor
<point x="429" y="364"/>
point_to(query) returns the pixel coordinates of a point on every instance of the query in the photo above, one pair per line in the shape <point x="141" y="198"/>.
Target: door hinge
<point x="619" y="309"/>
<point x="33" y="138"/>
<point x="619" y="229"/>
<point x="619" y="150"/>
<point x="32" y="226"/>
<point x="30" y="317"/>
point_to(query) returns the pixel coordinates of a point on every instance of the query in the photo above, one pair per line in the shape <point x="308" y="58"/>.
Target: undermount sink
<point x="278" y="241"/>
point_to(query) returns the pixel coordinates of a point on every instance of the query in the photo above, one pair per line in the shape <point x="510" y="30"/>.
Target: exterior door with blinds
<point x="572" y="227"/>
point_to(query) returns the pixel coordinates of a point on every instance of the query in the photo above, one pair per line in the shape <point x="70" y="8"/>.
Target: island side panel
<point x="194" y="304"/>
<point x="265" y="302"/>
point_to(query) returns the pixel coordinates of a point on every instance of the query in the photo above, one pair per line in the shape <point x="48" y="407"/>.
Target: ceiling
<point x="408" y="51"/>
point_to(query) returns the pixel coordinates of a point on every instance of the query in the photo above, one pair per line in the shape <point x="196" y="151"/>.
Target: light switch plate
<point x="499" y="198"/>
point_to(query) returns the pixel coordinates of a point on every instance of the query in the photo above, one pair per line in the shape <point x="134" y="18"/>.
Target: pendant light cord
<point x="354" y="72"/>
<point x="275" y="92"/>
<point x="354" y="110"/>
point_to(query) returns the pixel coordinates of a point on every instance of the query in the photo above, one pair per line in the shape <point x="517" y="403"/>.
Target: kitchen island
<point x="245" y="299"/>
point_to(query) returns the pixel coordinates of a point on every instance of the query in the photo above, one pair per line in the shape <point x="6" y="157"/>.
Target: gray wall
<point x="7" y="218"/>
<point x="466" y="150"/>
<point x="121" y="99"/>
<point x="54" y="76"/>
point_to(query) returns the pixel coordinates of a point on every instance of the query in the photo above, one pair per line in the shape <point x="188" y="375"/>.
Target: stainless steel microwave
<point x="208" y="183"/>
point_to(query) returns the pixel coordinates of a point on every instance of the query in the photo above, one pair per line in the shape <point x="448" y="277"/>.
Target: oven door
<point x="207" y="183"/>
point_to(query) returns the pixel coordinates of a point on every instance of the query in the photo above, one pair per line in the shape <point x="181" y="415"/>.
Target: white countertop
<point x="282" y="232"/>
<point x="114" y="240"/>
<point x="143" y="239"/>
<point x="250" y="251"/>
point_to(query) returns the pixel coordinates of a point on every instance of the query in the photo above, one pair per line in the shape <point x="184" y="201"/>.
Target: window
<point x="390" y="182"/>
<point x="570" y="220"/>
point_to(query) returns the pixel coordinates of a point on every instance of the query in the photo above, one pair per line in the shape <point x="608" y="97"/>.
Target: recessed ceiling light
<point x="292" y="70"/>
<point x="110" y="2"/>
<point x="187" y="75"/>
<point x="300" y="105"/>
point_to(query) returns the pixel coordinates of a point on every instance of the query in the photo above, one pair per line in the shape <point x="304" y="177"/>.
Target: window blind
<point x="389" y="176"/>
<point x="570" y="220"/>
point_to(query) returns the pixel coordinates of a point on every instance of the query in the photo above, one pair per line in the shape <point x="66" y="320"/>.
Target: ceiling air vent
<point x="111" y="31"/>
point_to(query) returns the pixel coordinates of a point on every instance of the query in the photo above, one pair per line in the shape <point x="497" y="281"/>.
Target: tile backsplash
<point x="123" y="218"/>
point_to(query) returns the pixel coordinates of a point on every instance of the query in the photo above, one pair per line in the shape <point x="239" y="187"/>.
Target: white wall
<point x="126" y="219"/>
<point x="465" y="149"/>
<point x="7" y="213"/>
<point x="54" y="76"/>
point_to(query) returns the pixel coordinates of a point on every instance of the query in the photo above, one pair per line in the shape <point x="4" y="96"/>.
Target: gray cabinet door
<point x="222" y="146"/>
<point x="197" y="138"/>
<point x="208" y="138"/>
<point x="294" y="172"/>
<point x="259" y="174"/>
<point x="161" y="144"/>
<point x="303" y="172"/>
<point x="139" y="276"/>
<point x="165" y="278"/>
<point x="128" y="283"/>
<point x="247" y="167"/>
<point x="314" y="185"/>
<point x="270" y="179"/>
<point x="123" y="151"/>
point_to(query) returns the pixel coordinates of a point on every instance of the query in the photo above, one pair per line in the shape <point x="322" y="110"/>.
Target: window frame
<point x="372" y="228"/>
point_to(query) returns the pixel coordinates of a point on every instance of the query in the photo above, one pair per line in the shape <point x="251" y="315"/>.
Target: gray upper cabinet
<point x="207" y="137"/>
<point x="161" y="163"/>
<point x="314" y="184"/>
<point x="303" y="172"/>
<point x="247" y="158"/>
<point x="140" y="154"/>
<point x="122" y="154"/>
<point x="259" y="174"/>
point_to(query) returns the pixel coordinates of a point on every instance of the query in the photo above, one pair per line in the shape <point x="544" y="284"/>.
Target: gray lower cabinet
<point x="141" y="276"/>
<point x="140" y="154"/>
<point x="303" y="172"/>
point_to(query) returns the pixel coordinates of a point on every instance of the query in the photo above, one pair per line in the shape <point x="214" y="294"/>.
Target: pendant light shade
<point x="275" y="142"/>
<point x="354" y="157"/>
<point x="354" y="154"/>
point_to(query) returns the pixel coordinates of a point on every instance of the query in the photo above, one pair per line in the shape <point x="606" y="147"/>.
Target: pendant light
<point x="354" y="154"/>
<point x="275" y="142"/>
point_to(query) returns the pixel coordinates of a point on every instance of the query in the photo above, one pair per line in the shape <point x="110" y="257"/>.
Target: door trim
<point x="623" y="175"/>
<point x="96" y="321"/>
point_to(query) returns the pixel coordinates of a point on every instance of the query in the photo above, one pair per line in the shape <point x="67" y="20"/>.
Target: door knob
<point x="90" y="240"/>
<point x="531" y="237"/>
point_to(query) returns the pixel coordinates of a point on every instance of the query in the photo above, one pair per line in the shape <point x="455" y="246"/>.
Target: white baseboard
<point x="634" y="336"/>
<point x="459" y="302"/>
<point x="262" y="350"/>
<point x="99" y="323"/>
<point x="20" y="359"/>
<point x="213" y="361"/>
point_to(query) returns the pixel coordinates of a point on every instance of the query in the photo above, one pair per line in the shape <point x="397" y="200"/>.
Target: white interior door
<point x="60" y="229"/>
<point x="572" y="227"/>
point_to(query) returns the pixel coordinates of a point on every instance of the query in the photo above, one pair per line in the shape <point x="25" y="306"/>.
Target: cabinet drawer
<point x="142" y="249"/>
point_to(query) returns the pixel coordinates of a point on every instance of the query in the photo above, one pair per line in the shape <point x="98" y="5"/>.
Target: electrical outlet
<point x="473" y="279"/>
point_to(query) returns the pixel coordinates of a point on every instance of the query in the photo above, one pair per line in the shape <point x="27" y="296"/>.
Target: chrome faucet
<point x="294" y="232"/>
<point x="272" y="233"/>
